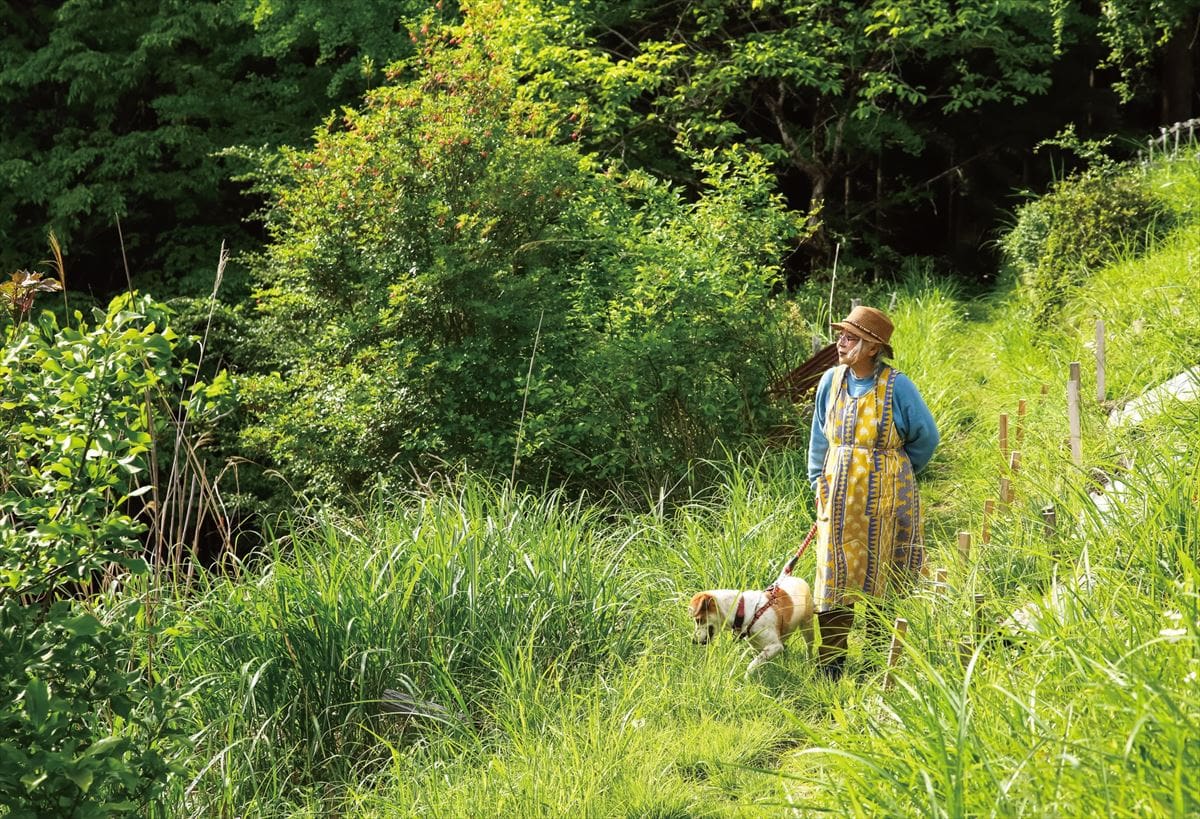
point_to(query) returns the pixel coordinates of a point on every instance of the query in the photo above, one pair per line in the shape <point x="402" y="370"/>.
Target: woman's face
<point x="851" y="349"/>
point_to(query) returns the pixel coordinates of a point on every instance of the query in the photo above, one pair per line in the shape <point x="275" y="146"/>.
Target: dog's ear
<point x="702" y="603"/>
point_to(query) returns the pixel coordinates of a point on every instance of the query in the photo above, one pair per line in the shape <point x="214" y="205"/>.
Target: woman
<point x="871" y="433"/>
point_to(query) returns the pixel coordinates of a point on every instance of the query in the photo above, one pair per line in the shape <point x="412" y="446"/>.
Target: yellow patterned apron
<point x="869" y="535"/>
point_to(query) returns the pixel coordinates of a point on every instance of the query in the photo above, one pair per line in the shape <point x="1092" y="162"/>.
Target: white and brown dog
<point x="765" y="618"/>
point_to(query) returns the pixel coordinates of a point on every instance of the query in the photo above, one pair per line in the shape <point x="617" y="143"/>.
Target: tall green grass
<point x="1094" y="709"/>
<point x="451" y="598"/>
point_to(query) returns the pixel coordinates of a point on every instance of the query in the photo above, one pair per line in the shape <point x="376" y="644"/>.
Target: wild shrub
<point x="452" y="279"/>
<point x="1085" y="222"/>
<point x="86" y="728"/>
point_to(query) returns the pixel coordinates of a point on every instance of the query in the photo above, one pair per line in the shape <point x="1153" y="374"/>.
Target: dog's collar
<point x="739" y="616"/>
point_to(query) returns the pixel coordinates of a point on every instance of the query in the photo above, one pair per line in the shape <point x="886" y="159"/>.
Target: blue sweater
<point x="912" y="418"/>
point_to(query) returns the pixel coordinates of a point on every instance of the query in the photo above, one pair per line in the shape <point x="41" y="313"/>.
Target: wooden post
<point x="1049" y="522"/>
<point x="989" y="506"/>
<point x="965" y="648"/>
<point x="941" y="587"/>
<point x="1004" y="435"/>
<point x="1100" y="390"/>
<point x="1020" y="423"/>
<point x="1014" y="461"/>
<point x="901" y="628"/>
<point x="1073" y="415"/>
<point x="964" y="547"/>
<point x="1005" y="491"/>
<point x="1045" y="389"/>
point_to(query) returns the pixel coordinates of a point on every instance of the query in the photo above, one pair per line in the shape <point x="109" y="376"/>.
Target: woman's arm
<point x="818" y="444"/>
<point x="914" y="422"/>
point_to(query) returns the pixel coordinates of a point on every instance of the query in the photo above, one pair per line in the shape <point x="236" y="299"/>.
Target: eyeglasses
<point x="848" y="337"/>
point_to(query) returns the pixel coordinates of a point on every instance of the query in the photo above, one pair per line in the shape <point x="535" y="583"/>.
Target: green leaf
<point x="37" y="701"/>
<point x="83" y="778"/>
<point x="104" y="745"/>
<point x="32" y="780"/>
<point x="85" y="625"/>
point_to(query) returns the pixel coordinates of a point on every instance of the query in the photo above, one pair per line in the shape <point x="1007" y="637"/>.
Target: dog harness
<point x="769" y="593"/>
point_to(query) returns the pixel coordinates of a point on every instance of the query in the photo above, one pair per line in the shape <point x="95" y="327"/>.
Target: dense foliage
<point x="471" y="610"/>
<point x="452" y="278"/>
<point x="908" y="121"/>
<point x="86" y="727"/>
<point x="119" y="111"/>
<point x="839" y="95"/>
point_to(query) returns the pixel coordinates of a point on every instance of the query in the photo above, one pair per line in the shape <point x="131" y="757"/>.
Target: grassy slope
<point x="586" y="696"/>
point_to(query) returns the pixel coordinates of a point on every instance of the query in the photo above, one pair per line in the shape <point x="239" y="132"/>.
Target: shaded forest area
<point x="914" y="124"/>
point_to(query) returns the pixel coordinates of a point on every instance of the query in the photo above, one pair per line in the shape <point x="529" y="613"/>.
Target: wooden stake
<point x="939" y="584"/>
<point x="1004" y="435"/>
<point x="1073" y="415"/>
<point x="1005" y="491"/>
<point x="964" y="547"/>
<point x="1100" y="390"/>
<point x="1014" y="461"/>
<point x="1045" y="389"/>
<point x="1049" y="522"/>
<point x="901" y="628"/>
<point x="989" y="506"/>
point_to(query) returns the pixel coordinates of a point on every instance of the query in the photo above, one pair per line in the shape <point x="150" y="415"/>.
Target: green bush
<point x="1085" y="222"/>
<point x="85" y="727"/>
<point x="452" y="279"/>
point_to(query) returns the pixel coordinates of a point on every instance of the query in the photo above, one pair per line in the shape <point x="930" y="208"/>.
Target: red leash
<point x="791" y="564"/>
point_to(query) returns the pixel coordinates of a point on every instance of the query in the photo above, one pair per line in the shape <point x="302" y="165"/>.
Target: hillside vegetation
<point x="545" y="644"/>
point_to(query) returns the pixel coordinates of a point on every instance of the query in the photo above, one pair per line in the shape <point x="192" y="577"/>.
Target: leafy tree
<point x="828" y="89"/>
<point x="120" y="110"/>
<point x="1137" y="33"/>
<point x="452" y="278"/>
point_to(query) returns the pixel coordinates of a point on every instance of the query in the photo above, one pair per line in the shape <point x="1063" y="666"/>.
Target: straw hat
<point x="871" y="325"/>
<point x="867" y="323"/>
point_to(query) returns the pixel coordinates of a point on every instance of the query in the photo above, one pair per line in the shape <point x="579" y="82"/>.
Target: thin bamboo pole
<point x="900" y="629"/>
<point x="1073" y="418"/>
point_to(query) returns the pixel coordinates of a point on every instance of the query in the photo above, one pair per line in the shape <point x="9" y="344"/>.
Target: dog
<point x="765" y="618"/>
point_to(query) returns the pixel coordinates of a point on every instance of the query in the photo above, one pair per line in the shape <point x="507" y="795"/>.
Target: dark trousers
<point x="834" y="626"/>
